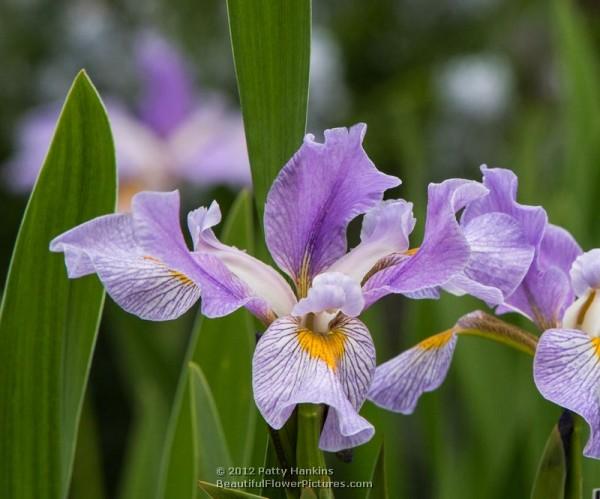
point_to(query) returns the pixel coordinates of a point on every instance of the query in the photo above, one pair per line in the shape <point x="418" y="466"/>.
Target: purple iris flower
<point x="315" y="349"/>
<point x="560" y="294"/>
<point x="174" y="134"/>
<point x="507" y="242"/>
<point x="566" y="366"/>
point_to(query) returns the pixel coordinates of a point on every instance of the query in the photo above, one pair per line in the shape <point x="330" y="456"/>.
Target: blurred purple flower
<point x="173" y="136"/>
<point x="315" y="349"/>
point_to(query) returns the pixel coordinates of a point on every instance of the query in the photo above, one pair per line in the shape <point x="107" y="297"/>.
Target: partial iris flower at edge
<point x="173" y="135"/>
<point x="315" y="349"/>
<point x="505" y="239"/>
<point x="566" y="366"/>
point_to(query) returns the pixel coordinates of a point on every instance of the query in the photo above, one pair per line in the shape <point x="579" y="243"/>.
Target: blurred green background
<point x="443" y="86"/>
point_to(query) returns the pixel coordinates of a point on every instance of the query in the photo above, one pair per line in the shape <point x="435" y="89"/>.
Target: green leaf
<point x="87" y="481"/>
<point x="48" y="323"/>
<point x="144" y="444"/>
<point x="216" y="492"/>
<point x="178" y="473"/>
<point x="379" y="489"/>
<point x="149" y="356"/>
<point x="552" y="471"/>
<point x="271" y="50"/>
<point x="209" y="440"/>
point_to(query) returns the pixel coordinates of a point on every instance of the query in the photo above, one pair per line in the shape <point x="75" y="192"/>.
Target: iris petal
<point x="444" y="252"/>
<point x="567" y="372"/>
<point x="399" y="383"/>
<point x="585" y="273"/>
<point x="318" y="192"/>
<point x="264" y="281"/>
<point x="292" y="365"/>
<point x="500" y="257"/>
<point x="138" y="281"/>
<point x="145" y="265"/>
<point x="385" y="230"/>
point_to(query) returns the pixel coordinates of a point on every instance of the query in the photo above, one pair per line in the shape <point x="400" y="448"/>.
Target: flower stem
<point x="479" y="323"/>
<point x="309" y="458"/>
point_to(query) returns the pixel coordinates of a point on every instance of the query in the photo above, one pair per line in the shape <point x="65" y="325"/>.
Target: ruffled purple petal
<point x="292" y="365"/>
<point x="502" y="185"/>
<point x="558" y="249"/>
<point x="399" y="383"/>
<point x="145" y="265"/>
<point x="166" y="97"/>
<point x="500" y="258"/>
<point x="315" y="196"/>
<point x="444" y="252"/>
<point x="138" y="281"/>
<point x="585" y="272"/>
<point x="385" y="230"/>
<point x="567" y="372"/>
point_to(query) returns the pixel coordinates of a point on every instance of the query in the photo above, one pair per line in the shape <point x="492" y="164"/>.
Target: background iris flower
<point x="172" y="135"/>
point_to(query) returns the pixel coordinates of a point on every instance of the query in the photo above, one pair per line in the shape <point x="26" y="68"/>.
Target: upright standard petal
<point x="166" y="97"/>
<point x="500" y="257"/>
<point x="385" y="231"/>
<point x="399" y="383"/>
<point x="261" y="278"/>
<point x="293" y="365"/>
<point x="585" y="272"/>
<point x="332" y="292"/>
<point x="443" y="254"/>
<point x="137" y="280"/>
<point x="567" y="372"/>
<point x="318" y="192"/>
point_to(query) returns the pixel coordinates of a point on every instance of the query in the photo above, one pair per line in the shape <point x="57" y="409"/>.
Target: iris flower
<point x="567" y="359"/>
<point x="174" y="134"/>
<point x="560" y="294"/>
<point x="315" y="348"/>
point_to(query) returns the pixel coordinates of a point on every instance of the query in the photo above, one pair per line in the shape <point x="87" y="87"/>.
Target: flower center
<point x="328" y="347"/>
<point x="584" y="314"/>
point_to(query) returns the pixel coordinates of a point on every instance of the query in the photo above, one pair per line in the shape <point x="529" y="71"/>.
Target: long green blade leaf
<point x="271" y="49"/>
<point x="48" y="323"/>
<point x="379" y="481"/>
<point x="209" y="440"/>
